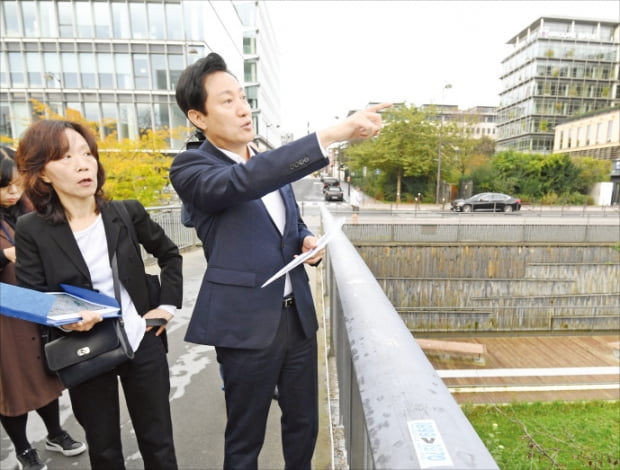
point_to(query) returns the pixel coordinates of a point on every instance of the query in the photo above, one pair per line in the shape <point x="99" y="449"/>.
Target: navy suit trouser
<point x="146" y="386"/>
<point x="250" y="377"/>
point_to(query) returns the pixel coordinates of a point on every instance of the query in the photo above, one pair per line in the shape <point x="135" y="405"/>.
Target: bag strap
<point x="117" y="289"/>
<point x="121" y="210"/>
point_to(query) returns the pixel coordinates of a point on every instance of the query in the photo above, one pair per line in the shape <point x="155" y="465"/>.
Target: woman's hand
<point x="89" y="319"/>
<point x="158" y="313"/>
<point x="9" y="253"/>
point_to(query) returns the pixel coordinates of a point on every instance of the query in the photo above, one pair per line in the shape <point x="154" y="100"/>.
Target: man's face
<point x="228" y="122"/>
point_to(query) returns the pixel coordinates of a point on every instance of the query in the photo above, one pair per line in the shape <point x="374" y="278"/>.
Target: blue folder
<point x="54" y="308"/>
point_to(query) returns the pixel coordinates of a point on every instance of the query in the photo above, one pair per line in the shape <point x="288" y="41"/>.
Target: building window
<point x="105" y="66"/>
<point x="52" y="70"/>
<point x="141" y="71"/>
<point x="47" y="19"/>
<point x="88" y="70"/>
<point x="91" y="112"/>
<point x="65" y="20"/>
<point x="610" y="126"/>
<point x="161" y="115"/>
<point x="124" y="78"/>
<point x="588" y="134"/>
<point x="103" y="22"/>
<point x="144" y="118"/>
<point x="137" y="14"/>
<point x="176" y="67"/>
<point x="126" y="121"/>
<point x="249" y="72"/>
<point x="156" y="21"/>
<point x="33" y="66"/>
<point x="251" y="94"/>
<point x="4" y="78"/>
<point x="599" y="133"/>
<point x="158" y="71"/>
<point x="84" y="19"/>
<point x="70" y="70"/>
<point x="11" y="18"/>
<point x="177" y="119"/>
<point x="20" y="118"/>
<point x="29" y="18"/>
<point x="173" y="16"/>
<point x="120" y="21"/>
<point x="16" y="67"/>
<point x="108" y="114"/>
<point x="5" y="119"/>
<point x="249" y="45"/>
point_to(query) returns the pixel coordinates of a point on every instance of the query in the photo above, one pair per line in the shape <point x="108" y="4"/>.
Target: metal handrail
<point x="396" y="411"/>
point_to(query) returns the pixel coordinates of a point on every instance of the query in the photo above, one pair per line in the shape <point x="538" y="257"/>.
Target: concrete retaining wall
<point x="443" y="287"/>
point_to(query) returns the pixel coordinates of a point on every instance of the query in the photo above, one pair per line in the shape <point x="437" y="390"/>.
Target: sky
<point x="336" y="56"/>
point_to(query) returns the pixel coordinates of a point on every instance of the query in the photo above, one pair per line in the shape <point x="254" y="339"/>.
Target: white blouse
<point x="94" y="247"/>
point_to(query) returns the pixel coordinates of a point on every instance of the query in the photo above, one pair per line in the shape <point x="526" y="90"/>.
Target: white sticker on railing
<point x="428" y="444"/>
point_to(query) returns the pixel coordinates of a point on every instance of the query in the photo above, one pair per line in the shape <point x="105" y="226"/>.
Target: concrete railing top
<point x="412" y="421"/>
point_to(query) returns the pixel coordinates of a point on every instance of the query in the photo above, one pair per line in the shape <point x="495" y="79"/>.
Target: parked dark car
<point x="329" y="181"/>
<point x="491" y="202"/>
<point x="333" y="193"/>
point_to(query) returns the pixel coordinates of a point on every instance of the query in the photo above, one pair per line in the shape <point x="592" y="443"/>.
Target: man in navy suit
<point x="244" y="211"/>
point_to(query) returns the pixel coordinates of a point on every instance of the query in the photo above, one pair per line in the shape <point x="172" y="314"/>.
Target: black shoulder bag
<point x="80" y="356"/>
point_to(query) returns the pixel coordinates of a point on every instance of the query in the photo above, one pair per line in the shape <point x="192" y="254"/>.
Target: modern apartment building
<point x="119" y="61"/>
<point x="559" y="68"/>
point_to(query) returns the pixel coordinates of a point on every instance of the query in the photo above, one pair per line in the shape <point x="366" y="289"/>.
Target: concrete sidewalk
<point x="197" y="401"/>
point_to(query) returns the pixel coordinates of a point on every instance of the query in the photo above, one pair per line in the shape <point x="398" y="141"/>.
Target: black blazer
<point x="48" y="255"/>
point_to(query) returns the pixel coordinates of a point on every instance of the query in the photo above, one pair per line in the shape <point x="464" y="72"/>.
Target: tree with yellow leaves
<point x="135" y="168"/>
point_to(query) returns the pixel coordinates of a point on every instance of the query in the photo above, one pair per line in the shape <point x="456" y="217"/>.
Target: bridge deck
<point x="534" y="352"/>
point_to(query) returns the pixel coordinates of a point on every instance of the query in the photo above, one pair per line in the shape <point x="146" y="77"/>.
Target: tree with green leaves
<point x="406" y="147"/>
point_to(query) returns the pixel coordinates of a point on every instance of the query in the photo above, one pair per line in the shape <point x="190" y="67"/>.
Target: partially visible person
<point x="243" y="207"/>
<point x="24" y="383"/>
<point x="72" y="238"/>
<point x="355" y="201"/>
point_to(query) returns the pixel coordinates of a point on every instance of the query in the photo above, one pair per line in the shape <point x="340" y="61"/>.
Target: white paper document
<point x="66" y="308"/>
<point x="321" y="243"/>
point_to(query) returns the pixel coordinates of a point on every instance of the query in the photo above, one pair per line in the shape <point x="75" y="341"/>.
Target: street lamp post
<point x="446" y="87"/>
<point x="50" y="77"/>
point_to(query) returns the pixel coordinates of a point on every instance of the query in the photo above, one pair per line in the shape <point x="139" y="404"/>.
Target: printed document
<point x="321" y="243"/>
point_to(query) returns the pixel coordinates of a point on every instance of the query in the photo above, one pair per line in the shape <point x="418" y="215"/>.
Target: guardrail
<point x="169" y="217"/>
<point x="522" y="231"/>
<point x="395" y="410"/>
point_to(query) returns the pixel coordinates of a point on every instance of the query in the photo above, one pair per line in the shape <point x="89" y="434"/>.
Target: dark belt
<point x="288" y="302"/>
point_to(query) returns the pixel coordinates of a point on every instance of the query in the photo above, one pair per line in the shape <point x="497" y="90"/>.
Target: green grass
<point x="558" y="435"/>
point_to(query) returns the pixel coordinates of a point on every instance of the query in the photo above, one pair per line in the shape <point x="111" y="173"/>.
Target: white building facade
<point x="596" y="135"/>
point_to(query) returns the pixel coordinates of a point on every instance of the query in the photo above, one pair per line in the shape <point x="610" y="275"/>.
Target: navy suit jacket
<point x="242" y="245"/>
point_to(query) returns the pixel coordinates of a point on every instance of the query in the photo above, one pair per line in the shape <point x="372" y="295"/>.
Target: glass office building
<point x="109" y="60"/>
<point x="559" y="68"/>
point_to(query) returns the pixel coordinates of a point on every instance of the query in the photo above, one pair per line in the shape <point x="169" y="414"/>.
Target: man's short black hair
<point x="190" y="91"/>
